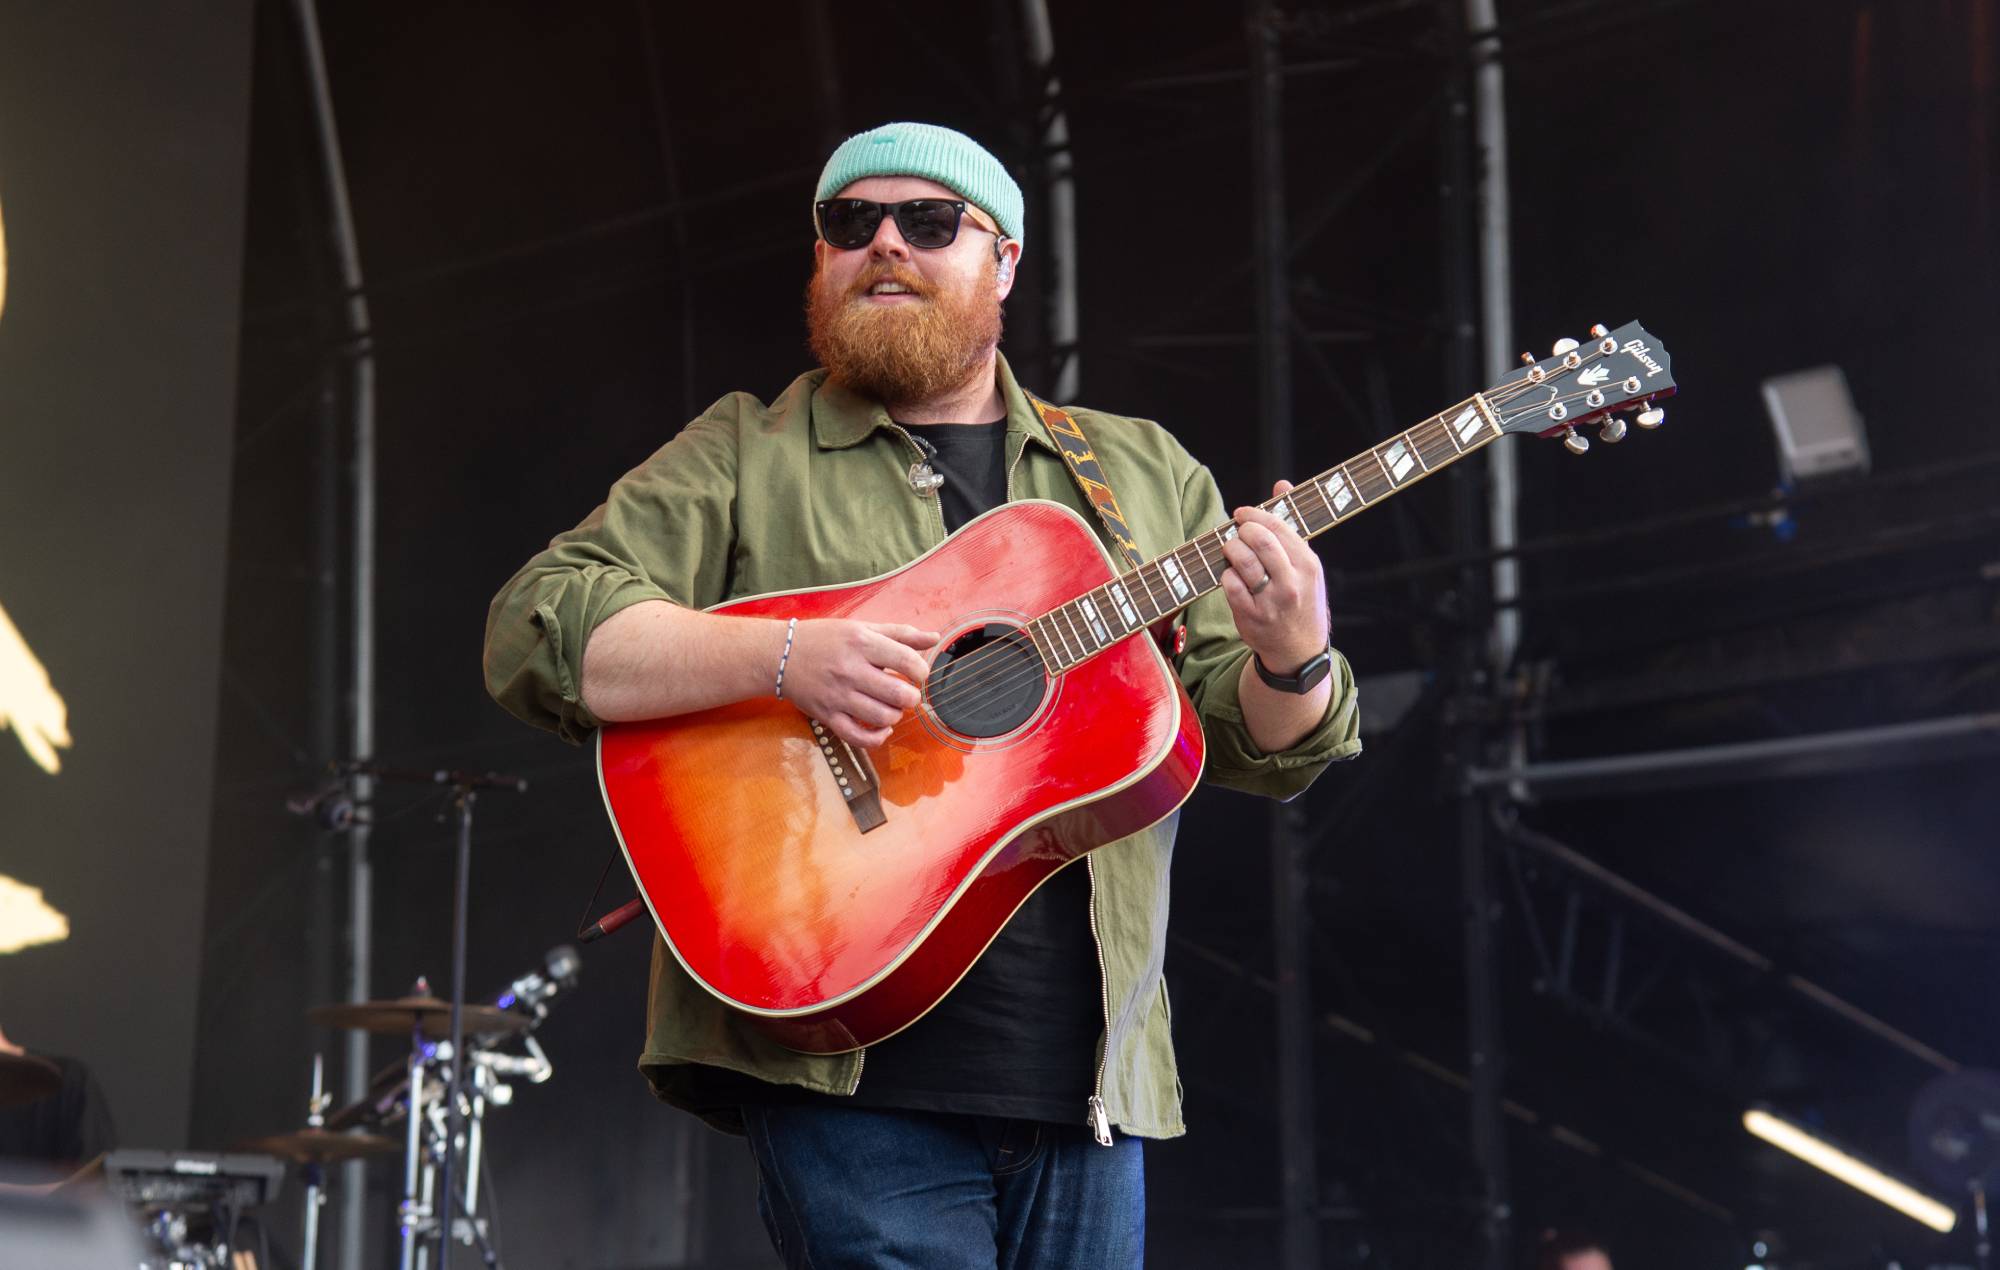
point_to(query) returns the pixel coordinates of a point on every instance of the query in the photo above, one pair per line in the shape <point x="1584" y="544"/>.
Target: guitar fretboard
<point x="1073" y="632"/>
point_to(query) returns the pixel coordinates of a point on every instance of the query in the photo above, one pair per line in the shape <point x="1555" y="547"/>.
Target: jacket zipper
<point x="1094" y="1114"/>
<point x="937" y="512"/>
<point x="1099" y="1122"/>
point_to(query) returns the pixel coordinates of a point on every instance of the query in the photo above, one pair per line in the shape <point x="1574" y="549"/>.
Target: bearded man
<point x="1003" y="1128"/>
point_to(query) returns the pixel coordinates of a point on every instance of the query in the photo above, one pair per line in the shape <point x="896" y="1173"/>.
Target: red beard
<point x="904" y="353"/>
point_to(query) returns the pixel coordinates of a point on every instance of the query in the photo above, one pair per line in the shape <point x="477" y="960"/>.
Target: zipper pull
<point x="1100" y="1124"/>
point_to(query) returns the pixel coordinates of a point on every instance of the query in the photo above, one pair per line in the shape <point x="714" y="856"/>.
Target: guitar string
<point x="1133" y="581"/>
<point x="997" y="672"/>
<point x="970" y="673"/>
<point x="1011" y="674"/>
<point x="1017" y="674"/>
<point x="1006" y="673"/>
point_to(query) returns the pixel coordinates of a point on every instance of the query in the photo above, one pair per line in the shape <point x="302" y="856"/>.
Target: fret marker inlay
<point x="1338" y="496"/>
<point x="1097" y="626"/>
<point x="1468" y="425"/>
<point x="1074" y="632"/>
<point x="1125" y="609"/>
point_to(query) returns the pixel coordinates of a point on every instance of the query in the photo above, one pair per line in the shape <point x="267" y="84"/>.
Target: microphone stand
<point x="465" y="787"/>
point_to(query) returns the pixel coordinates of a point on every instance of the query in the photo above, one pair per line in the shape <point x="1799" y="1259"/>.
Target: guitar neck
<point x="1073" y="632"/>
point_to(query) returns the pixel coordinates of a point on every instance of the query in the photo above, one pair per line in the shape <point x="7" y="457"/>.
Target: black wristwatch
<point x="1301" y="681"/>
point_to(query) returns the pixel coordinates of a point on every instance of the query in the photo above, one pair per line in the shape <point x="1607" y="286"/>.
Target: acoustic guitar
<point x="832" y="895"/>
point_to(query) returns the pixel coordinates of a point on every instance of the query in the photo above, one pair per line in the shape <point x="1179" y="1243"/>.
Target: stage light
<point x="1819" y="432"/>
<point x="26" y="919"/>
<point x="1826" y="1157"/>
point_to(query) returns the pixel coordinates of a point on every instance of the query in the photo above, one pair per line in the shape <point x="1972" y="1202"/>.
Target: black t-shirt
<point x="972" y="458"/>
<point x="1018" y="1036"/>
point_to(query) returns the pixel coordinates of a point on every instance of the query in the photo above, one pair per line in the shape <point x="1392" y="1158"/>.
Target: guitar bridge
<point x="856" y="776"/>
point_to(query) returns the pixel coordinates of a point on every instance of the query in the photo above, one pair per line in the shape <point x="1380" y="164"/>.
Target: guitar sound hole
<point x="987" y="682"/>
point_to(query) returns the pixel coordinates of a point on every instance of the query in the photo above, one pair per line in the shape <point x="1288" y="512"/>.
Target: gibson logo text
<point x="1639" y="350"/>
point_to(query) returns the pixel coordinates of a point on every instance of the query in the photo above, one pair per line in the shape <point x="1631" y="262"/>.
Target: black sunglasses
<point x="929" y="223"/>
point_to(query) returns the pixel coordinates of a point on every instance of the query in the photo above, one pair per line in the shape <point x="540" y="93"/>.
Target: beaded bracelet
<point x="791" y="628"/>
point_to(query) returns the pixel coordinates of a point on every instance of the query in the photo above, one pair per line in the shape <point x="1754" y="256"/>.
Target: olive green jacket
<point x="814" y="490"/>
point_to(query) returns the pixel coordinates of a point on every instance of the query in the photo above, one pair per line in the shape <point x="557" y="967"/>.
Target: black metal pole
<point x="1298" y="1166"/>
<point x="677" y="217"/>
<point x="822" y="39"/>
<point x="1485" y="1056"/>
<point x="326" y="691"/>
<point x="455" y="1107"/>
<point x="360" y="693"/>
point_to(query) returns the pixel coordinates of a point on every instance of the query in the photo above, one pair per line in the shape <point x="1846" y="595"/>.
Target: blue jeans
<point x="858" y="1188"/>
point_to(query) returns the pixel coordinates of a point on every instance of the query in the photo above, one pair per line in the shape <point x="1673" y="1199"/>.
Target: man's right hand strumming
<point x="858" y="678"/>
<point x="656" y="659"/>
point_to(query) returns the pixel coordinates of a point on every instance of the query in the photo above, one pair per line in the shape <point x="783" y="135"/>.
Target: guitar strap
<point x="1083" y="465"/>
<point x="1082" y="461"/>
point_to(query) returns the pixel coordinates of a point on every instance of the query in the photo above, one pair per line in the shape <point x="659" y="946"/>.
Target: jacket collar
<point x="843" y="418"/>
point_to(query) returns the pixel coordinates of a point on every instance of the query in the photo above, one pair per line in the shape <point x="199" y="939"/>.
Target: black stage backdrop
<point x="514" y="167"/>
<point x="122" y="144"/>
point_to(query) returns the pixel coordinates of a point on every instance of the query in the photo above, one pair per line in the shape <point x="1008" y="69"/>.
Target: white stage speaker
<point x="1820" y="433"/>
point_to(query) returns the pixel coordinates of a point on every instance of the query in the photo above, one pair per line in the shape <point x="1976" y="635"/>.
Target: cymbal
<point x="320" y="1146"/>
<point x="398" y="1017"/>
<point x="24" y="1078"/>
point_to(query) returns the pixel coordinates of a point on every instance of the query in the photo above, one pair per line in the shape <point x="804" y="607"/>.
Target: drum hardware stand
<point x="415" y="1211"/>
<point x="315" y="1172"/>
<point x="465" y="787"/>
<point x="429" y="1127"/>
<point x="414" y="1088"/>
<point x="487" y="1090"/>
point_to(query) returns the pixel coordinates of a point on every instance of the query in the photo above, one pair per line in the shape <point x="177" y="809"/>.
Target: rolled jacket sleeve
<point x="662" y="533"/>
<point x="1212" y="665"/>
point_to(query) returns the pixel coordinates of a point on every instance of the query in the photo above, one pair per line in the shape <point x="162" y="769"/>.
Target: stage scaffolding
<point x="1480" y="689"/>
<point x="1486" y="698"/>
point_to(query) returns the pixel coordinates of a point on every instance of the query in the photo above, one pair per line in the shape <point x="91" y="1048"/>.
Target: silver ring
<point x="1258" y="589"/>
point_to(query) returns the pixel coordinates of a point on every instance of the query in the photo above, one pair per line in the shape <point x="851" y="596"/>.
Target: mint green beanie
<point x="938" y="154"/>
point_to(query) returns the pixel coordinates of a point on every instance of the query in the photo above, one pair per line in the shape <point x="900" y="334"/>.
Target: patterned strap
<point x="1089" y="476"/>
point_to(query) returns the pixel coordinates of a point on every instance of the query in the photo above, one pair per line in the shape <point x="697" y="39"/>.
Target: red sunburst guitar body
<point x="833" y="897"/>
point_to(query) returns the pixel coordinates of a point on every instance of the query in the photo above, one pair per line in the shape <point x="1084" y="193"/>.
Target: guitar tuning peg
<point x="1650" y="417"/>
<point x="1527" y="359"/>
<point x="1598" y="330"/>
<point x="1575" y="442"/>
<point x="1564" y="345"/>
<point x="1611" y="431"/>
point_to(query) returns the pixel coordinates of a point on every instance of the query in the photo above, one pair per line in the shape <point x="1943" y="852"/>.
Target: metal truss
<point x="1431" y="36"/>
<point x="1551" y="1126"/>
<point x="1639" y="966"/>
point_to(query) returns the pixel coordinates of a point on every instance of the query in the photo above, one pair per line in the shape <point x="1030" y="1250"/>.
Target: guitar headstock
<point x="1624" y="370"/>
